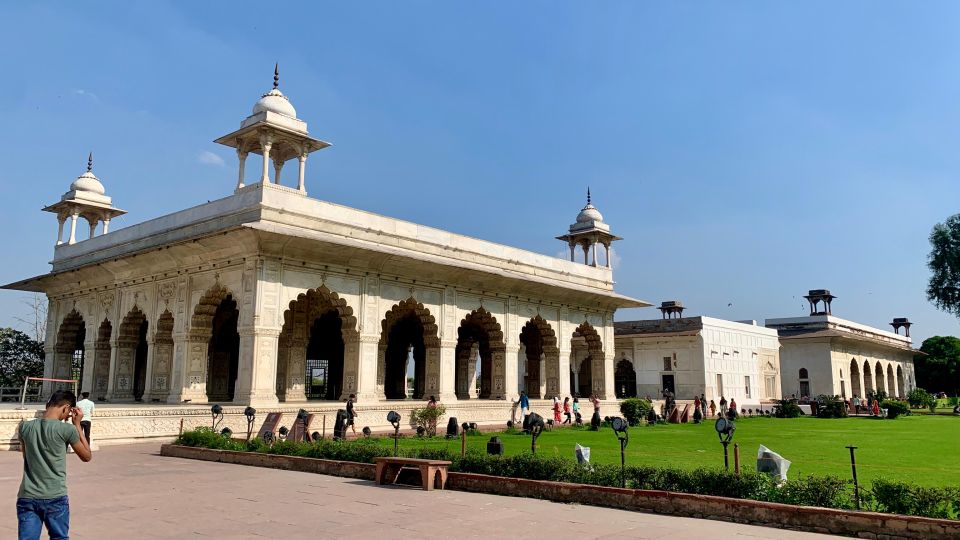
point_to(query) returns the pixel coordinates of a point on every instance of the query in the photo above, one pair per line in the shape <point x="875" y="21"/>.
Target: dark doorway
<point x="224" y="352"/>
<point x="325" y="358"/>
<point x="625" y="379"/>
<point x="668" y="383"/>
<point x="532" y="339"/>
<point x="585" y="375"/>
<point x="405" y="333"/>
<point x="79" y="356"/>
<point x="140" y="364"/>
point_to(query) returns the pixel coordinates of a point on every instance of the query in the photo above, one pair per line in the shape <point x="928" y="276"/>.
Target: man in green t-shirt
<point x="42" y="500"/>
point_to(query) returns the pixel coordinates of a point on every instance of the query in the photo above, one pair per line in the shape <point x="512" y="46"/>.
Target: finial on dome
<point x="588" y="196"/>
<point x="276" y="75"/>
<point x="90" y="162"/>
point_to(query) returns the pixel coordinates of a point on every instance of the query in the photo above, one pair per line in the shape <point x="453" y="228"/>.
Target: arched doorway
<point x="625" y="379"/>
<point x="804" y="383"/>
<point x="900" y="385"/>
<point x="891" y="384"/>
<point x="879" y="380"/>
<point x="131" y="371"/>
<point x="855" y="378"/>
<point x="542" y="358"/>
<point x="311" y="360"/>
<point x="69" y="353"/>
<point x="408" y="336"/>
<point x="480" y="363"/>
<point x="591" y="374"/>
<point x="868" y="388"/>
<point x="223" y="351"/>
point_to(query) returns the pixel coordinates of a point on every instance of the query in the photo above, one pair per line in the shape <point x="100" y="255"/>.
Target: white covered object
<point x="772" y="463"/>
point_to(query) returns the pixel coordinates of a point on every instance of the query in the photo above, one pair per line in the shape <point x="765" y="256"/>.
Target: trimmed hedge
<point x="895" y="408"/>
<point x="786" y="408"/>
<point x="822" y="491"/>
<point x="635" y="410"/>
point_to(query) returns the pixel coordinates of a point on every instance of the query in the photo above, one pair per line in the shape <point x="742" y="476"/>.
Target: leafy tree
<point x="21" y="356"/>
<point x="943" y="289"/>
<point x="939" y="368"/>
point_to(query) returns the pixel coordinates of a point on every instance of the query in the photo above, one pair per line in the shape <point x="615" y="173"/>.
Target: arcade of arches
<point x="877" y="378"/>
<point x="318" y="354"/>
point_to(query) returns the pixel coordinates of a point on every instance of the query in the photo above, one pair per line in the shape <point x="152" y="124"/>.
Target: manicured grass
<point x="917" y="449"/>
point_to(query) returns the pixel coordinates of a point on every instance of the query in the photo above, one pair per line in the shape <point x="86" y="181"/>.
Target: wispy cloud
<point x="85" y="93"/>
<point x="209" y="158"/>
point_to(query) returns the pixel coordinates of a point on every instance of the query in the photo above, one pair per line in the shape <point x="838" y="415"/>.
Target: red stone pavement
<point x="130" y="492"/>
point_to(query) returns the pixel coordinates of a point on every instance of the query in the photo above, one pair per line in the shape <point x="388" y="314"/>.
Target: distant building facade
<point x="823" y="354"/>
<point x="696" y="355"/>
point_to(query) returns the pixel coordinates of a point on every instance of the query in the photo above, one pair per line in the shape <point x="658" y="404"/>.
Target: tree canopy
<point x="943" y="289"/>
<point x="939" y="369"/>
<point x="21" y="356"/>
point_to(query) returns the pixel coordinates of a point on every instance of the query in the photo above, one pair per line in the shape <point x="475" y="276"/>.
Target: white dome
<point x="88" y="183"/>
<point x="274" y="101"/>
<point x="588" y="214"/>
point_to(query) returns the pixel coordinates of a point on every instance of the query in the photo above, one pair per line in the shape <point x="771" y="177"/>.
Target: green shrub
<point x="895" y="408"/>
<point x="786" y="408"/>
<point x="427" y="418"/>
<point x="920" y="398"/>
<point x="902" y="498"/>
<point x="635" y="410"/>
<point x="831" y="407"/>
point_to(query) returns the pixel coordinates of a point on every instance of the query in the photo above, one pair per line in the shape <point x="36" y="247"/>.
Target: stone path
<point x="132" y="492"/>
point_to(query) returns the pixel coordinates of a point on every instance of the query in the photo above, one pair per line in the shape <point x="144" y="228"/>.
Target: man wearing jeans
<point x="42" y="499"/>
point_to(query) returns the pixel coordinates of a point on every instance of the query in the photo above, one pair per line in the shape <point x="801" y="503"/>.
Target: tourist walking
<point x="524" y="406"/>
<point x="723" y="406"/>
<point x="352" y="413"/>
<point x="696" y="403"/>
<point x="566" y="410"/>
<point x="876" y="407"/>
<point x="733" y="406"/>
<point x="596" y="403"/>
<point x="86" y="406"/>
<point x="703" y="403"/>
<point x="576" y="410"/>
<point x="713" y="408"/>
<point x="556" y="409"/>
<point x="42" y="499"/>
<point x="856" y="404"/>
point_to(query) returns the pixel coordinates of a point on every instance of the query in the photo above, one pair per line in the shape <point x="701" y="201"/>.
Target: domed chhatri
<point x="274" y="132"/>
<point x="88" y="182"/>
<point x="86" y="199"/>
<point x="274" y="100"/>
<point x="587" y="232"/>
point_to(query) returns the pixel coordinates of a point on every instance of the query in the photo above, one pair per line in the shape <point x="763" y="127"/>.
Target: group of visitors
<point x="564" y="412"/>
<point x="709" y="409"/>
<point x="856" y="404"/>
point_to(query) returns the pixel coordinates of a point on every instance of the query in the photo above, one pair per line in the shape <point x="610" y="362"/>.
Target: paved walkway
<point x="132" y="492"/>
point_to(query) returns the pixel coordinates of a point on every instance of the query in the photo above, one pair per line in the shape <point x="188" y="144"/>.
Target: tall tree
<point x="944" y="263"/>
<point x="21" y="356"/>
<point x="939" y="369"/>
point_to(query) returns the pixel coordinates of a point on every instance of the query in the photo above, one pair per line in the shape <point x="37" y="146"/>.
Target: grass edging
<point x="805" y="518"/>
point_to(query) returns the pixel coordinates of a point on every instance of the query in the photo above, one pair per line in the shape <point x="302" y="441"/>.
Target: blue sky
<point x="746" y="152"/>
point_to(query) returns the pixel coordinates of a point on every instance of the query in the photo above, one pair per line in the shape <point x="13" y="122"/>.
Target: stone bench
<point x="433" y="472"/>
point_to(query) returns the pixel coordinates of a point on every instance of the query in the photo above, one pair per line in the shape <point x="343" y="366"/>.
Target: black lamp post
<point x="251" y="415"/>
<point x="394" y="418"/>
<point x="536" y="428"/>
<point x="725" y="429"/>
<point x="620" y="426"/>
<point x="217" y="413"/>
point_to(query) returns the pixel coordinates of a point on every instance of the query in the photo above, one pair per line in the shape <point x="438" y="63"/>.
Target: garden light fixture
<point x="251" y="415"/>
<point x="394" y="418"/>
<point x="217" y="413"/>
<point x="620" y="426"/>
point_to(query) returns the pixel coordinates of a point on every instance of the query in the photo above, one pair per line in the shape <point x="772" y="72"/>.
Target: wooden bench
<point x="433" y="472"/>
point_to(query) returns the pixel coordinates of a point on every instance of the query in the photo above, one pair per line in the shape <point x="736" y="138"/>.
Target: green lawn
<point x="918" y="449"/>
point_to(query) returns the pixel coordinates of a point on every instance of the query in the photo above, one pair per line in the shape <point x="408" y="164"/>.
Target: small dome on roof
<point x="274" y="101"/>
<point x="589" y="212"/>
<point x="88" y="182"/>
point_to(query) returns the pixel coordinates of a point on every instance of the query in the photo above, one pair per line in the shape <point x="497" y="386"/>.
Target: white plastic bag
<point x="772" y="463"/>
<point x="583" y="454"/>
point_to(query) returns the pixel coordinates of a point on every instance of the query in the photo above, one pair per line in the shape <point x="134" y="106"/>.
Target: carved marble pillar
<point x="257" y="369"/>
<point x="498" y="379"/>
<point x="441" y="371"/>
<point x="296" y="370"/>
<point x="158" y="375"/>
<point x="351" y="366"/>
<point x="123" y="371"/>
<point x="367" y="382"/>
<point x="511" y="373"/>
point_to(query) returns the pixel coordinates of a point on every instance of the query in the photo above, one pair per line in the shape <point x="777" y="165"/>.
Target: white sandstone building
<point x="271" y="298"/>
<point x="691" y="356"/>
<point x="823" y="354"/>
